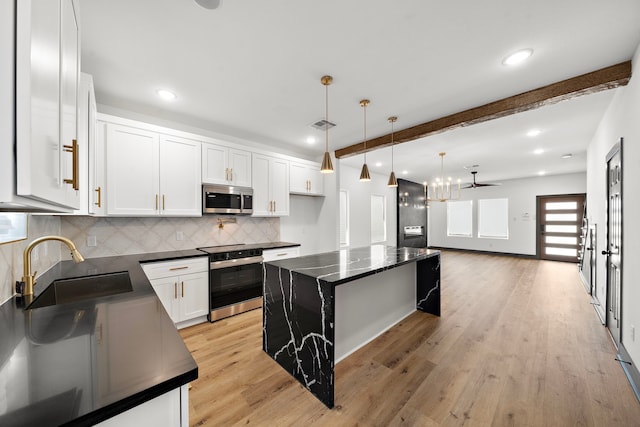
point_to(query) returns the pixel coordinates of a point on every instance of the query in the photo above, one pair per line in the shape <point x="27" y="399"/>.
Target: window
<point x="460" y="218"/>
<point x="378" y="219"/>
<point x="344" y="218"/>
<point x="493" y="218"/>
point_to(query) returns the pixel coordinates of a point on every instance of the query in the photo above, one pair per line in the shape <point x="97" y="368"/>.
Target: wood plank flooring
<point x="518" y="344"/>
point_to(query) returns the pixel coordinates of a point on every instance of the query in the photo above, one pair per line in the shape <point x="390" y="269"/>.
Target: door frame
<point x="617" y="148"/>
<point x="538" y="216"/>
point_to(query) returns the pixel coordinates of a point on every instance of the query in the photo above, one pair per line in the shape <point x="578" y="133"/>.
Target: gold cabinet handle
<point x="99" y="202"/>
<point x="275" y="205"/>
<point x="178" y="268"/>
<point x="156" y="202"/>
<point x="73" y="149"/>
<point x="231" y="172"/>
<point x="270" y="205"/>
<point x="175" y="290"/>
<point x="226" y="174"/>
<point x="182" y="289"/>
<point x="163" y="202"/>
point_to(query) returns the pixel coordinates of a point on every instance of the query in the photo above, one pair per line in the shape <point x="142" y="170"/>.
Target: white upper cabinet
<point x="96" y="137"/>
<point x="270" y="186"/>
<point x="149" y="174"/>
<point x="46" y="86"/>
<point x="86" y="145"/>
<point x="225" y="165"/>
<point x="133" y="160"/>
<point x="180" y="177"/>
<point x="306" y="179"/>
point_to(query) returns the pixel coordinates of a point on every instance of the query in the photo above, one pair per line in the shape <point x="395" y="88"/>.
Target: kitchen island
<point x="96" y="360"/>
<point x="320" y="308"/>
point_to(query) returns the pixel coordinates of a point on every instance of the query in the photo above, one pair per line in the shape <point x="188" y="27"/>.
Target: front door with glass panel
<point x="559" y="223"/>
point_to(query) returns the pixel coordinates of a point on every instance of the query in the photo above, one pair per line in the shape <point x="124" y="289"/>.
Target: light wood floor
<point x="518" y="344"/>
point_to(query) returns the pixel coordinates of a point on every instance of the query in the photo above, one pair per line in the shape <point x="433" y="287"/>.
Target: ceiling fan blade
<point x="475" y="184"/>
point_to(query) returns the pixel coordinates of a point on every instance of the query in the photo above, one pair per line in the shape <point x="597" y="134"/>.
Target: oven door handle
<point x="217" y="265"/>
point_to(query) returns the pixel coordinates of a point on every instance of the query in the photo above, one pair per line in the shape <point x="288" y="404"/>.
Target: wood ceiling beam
<point x="585" y="84"/>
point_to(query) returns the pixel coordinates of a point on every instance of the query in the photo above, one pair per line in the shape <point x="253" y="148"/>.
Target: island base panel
<point x="366" y="308"/>
<point x="428" y="285"/>
<point x="298" y="328"/>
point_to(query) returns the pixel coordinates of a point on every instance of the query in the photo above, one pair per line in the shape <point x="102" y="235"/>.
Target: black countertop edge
<point x="380" y="270"/>
<point x="263" y="246"/>
<point x="346" y="265"/>
<point x="132" y="401"/>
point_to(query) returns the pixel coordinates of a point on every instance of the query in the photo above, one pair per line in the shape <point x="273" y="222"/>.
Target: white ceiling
<point x="252" y="69"/>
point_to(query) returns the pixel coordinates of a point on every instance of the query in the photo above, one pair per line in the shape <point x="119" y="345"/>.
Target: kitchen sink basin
<point x="82" y="288"/>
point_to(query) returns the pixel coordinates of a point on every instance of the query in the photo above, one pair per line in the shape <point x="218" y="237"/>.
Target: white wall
<point x="522" y="213"/>
<point x="620" y="120"/>
<point x="313" y="221"/>
<point x="360" y="205"/>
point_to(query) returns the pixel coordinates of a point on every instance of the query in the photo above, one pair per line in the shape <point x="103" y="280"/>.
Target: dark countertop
<point x="346" y="265"/>
<point x="86" y="361"/>
<point x="264" y="246"/>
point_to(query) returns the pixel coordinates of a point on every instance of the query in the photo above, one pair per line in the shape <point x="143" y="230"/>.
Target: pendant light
<point x="364" y="174"/>
<point x="327" y="166"/>
<point x="393" y="182"/>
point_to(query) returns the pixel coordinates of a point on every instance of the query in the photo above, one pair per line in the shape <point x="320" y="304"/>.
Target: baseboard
<point x="630" y="369"/>
<point x="587" y="285"/>
<point x="441" y="248"/>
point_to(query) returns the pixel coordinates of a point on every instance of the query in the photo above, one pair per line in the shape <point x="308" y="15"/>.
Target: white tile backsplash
<point x="123" y="236"/>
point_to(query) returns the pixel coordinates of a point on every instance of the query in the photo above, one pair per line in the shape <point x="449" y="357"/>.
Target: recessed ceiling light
<point x="166" y="94"/>
<point x="378" y="164"/>
<point x="538" y="151"/>
<point x="311" y="140"/>
<point x="542" y="173"/>
<point x="517" y="57"/>
<point x="405" y="172"/>
<point x="534" y="132"/>
<point x="567" y="156"/>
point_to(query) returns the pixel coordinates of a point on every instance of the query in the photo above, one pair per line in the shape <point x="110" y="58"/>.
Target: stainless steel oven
<point x="235" y="281"/>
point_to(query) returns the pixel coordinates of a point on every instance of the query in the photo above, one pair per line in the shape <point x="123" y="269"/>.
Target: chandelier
<point x="441" y="190"/>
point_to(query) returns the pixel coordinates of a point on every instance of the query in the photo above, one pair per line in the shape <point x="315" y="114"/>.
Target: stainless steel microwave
<point x="223" y="199"/>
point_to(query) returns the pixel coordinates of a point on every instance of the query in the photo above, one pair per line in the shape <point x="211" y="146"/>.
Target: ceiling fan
<point x="477" y="184"/>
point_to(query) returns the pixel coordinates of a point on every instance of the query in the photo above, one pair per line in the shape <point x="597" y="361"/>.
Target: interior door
<point x="559" y="226"/>
<point x="613" y="251"/>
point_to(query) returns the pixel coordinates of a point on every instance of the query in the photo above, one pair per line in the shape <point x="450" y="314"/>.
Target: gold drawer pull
<point x="178" y="268"/>
<point x="73" y="149"/>
<point x="99" y="202"/>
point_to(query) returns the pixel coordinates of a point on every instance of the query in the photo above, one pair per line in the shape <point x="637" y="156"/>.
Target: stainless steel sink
<point x="82" y="288"/>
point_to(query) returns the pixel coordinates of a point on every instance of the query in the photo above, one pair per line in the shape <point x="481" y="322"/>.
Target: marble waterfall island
<point x="318" y="309"/>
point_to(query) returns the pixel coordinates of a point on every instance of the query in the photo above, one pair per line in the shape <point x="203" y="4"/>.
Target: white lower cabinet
<point x="168" y="410"/>
<point x="183" y="288"/>
<point x="281" y="253"/>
